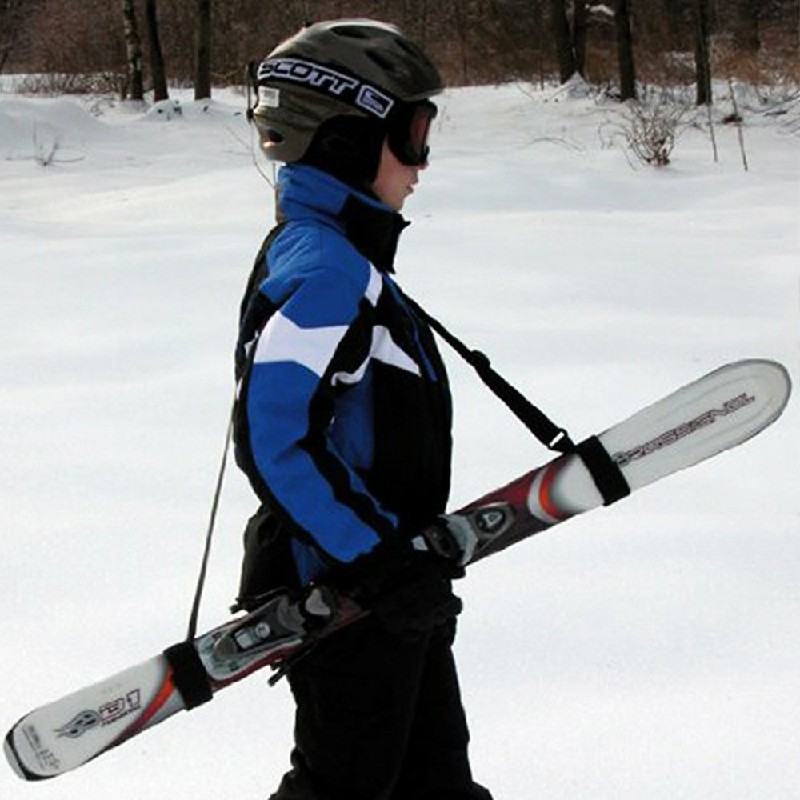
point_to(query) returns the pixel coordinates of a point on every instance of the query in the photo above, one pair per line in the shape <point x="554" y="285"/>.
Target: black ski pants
<point x="379" y="717"/>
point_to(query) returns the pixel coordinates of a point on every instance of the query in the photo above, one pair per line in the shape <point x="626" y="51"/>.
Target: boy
<point x="343" y="420"/>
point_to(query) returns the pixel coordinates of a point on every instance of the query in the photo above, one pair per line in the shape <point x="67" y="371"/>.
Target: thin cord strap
<point x="201" y="580"/>
<point x="605" y="472"/>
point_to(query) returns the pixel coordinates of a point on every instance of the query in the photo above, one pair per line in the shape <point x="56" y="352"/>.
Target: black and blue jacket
<point x="343" y="418"/>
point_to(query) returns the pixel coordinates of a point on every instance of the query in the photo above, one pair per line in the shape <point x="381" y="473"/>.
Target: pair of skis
<point x="719" y="411"/>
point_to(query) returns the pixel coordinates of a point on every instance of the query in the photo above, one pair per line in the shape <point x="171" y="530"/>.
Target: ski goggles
<point x="408" y="133"/>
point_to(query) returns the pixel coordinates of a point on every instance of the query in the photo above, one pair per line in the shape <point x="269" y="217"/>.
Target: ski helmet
<point x="355" y="76"/>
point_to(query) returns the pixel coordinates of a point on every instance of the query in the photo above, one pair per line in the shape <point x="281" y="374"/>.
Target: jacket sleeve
<point x="313" y="348"/>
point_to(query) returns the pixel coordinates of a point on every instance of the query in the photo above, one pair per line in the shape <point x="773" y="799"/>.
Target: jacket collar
<point x="370" y="225"/>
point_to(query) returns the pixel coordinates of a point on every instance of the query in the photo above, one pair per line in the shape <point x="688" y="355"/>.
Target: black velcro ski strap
<point x="189" y="674"/>
<point x="605" y="472"/>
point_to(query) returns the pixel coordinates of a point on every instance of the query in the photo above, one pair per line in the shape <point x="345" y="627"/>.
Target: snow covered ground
<point x="650" y="650"/>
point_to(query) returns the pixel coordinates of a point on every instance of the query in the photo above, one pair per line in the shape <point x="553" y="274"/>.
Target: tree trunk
<point x="579" y="20"/>
<point x="202" y="50"/>
<point x="627" y="72"/>
<point x="156" y="55"/>
<point x="134" y="85"/>
<point x="702" y="51"/>
<point x="538" y="9"/>
<point x="563" y="39"/>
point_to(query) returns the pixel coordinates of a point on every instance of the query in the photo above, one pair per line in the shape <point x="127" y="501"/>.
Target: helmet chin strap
<point x="251" y="88"/>
<point x="251" y="97"/>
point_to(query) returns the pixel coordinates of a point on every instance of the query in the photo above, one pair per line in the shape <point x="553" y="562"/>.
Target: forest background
<point x="138" y="47"/>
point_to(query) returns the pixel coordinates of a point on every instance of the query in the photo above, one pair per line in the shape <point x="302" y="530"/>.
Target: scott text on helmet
<point x="316" y="76"/>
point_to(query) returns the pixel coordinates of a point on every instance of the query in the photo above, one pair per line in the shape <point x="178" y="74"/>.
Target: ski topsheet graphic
<point x="694" y="423"/>
<point x="721" y="410"/>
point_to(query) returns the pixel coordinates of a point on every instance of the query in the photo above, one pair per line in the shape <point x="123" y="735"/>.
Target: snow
<point x="645" y="650"/>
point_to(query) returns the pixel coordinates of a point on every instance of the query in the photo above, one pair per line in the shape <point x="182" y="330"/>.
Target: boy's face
<point x="395" y="181"/>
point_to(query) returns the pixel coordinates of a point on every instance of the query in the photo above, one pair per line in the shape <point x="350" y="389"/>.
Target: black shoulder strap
<point x="533" y="418"/>
<point x="605" y="472"/>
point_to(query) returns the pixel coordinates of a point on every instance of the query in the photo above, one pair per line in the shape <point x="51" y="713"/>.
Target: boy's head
<point x="333" y="93"/>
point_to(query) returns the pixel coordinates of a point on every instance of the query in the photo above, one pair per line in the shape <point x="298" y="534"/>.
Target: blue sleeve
<point x="289" y="405"/>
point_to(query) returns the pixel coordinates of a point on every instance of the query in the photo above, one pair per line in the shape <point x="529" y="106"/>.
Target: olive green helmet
<point x="349" y="67"/>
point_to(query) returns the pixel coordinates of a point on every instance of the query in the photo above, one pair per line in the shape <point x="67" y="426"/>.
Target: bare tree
<point x="157" y="70"/>
<point x="580" y="14"/>
<point x="702" y="51"/>
<point x="134" y="84"/>
<point x="202" y="50"/>
<point x="627" y="72"/>
<point x="562" y="37"/>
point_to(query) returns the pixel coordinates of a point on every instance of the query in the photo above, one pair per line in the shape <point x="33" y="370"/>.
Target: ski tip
<point x="766" y="387"/>
<point x="11" y="757"/>
<point x="773" y="377"/>
<point x="765" y="366"/>
<point x="14" y="761"/>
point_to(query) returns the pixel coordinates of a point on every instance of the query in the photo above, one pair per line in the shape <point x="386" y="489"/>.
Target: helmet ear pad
<point x="349" y="148"/>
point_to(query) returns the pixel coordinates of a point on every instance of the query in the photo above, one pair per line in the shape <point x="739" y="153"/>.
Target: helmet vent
<point x="351" y="32"/>
<point x="388" y="65"/>
<point x="406" y="47"/>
